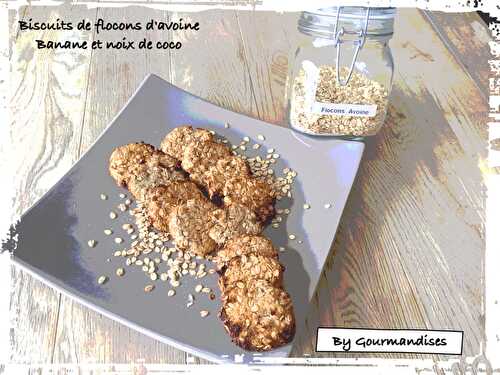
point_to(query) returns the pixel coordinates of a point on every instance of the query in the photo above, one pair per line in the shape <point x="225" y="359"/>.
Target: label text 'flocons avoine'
<point x="357" y="110"/>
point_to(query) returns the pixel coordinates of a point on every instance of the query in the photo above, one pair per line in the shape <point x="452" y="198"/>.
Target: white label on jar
<point x="341" y="109"/>
<point x="311" y="72"/>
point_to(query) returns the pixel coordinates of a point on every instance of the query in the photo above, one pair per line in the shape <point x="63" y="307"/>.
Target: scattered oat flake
<point x="120" y="272"/>
<point x="92" y="243"/>
<point x="307" y="206"/>
<point x="328" y="205"/>
<point x="261" y="137"/>
<point x="148" y="288"/>
<point x="190" y="301"/>
<point x="171" y="293"/>
<point x="204" y="313"/>
<point x="104" y="197"/>
<point x="118" y="240"/>
<point x="112" y="215"/>
<point x="256" y="146"/>
<point x="226" y="125"/>
<point x="122" y="195"/>
<point x="108" y="232"/>
<point x="198" y="288"/>
<point x="292" y="236"/>
<point x="102" y="279"/>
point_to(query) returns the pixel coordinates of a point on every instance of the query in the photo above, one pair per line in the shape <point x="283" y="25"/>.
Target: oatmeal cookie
<point x="125" y="157"/>
<point x="255" y="194"/>
<point x="158" y="169"/>
<point x="200" y="156"/>
<point x="232" y="221"/>
<point x="189" y="226"/>
<point x="258" y="315"/>
<point x="244" y="245"/>
<point x="215" y="177"/>
<point x="161" y="200"/>
<point x="178" y="139"/>
<point x="251" y="266"/>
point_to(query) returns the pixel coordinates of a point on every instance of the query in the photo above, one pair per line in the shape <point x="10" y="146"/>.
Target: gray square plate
<point x="53" y="234"/>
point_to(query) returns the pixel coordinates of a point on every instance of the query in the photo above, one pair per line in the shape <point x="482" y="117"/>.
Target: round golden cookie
<point x="251" y="266"/>
<point x="258" y="315"/>
<point x="158" y="169"/>
<point x="161" y="200"/>
<point x="200" y="156"/>
<point x="232" y="221"/>
<point x="189" y="226"/>
<point x="244" y="245"/>
<point x="126" y="157"/>
<point x="255" y="194"/>
<point x="226" y="168"/>
<point x="178" y="139"/>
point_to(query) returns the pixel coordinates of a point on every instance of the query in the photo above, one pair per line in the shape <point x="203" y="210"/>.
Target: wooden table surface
<point x="409" y="252"/>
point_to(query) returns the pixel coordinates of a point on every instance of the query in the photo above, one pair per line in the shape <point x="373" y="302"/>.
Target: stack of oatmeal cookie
<point x="195" y="189"/>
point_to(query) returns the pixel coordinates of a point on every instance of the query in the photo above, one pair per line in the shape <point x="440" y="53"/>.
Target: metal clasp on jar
<point x="358" y="43"/>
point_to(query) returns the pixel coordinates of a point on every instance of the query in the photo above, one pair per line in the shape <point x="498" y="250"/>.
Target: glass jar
<point x="341" y="74"/>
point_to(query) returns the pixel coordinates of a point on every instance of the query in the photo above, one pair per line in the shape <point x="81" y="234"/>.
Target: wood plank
<point x="409" y="248"/>
<point x="212" y="63"/>
<point x="46" y="145"/>
<point x="270" y="40"/>
<point x="466" y="36"/>
<point x="84" y="336"/>
<point x="426" y="57"/>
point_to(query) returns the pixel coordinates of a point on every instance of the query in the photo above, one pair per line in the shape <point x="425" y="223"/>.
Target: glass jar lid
<point x="378" y="22"/>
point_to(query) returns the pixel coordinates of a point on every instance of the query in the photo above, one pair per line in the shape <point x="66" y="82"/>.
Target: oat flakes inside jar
<point x="340" y="79"/>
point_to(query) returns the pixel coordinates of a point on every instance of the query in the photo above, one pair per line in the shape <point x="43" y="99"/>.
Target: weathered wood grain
<point x="47" y="104"/>
<point x="466" y="36"/>
<point x="212" y="63"/>
<point x="84" y="336"/>
<point x="270" y="40"/>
